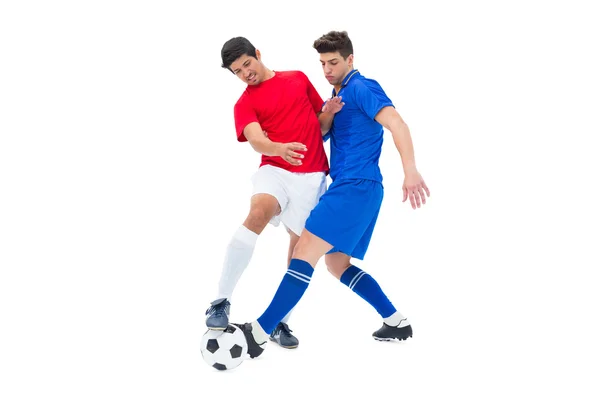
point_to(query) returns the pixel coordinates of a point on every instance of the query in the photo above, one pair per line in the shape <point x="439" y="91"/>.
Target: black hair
<point x="235" y="48"/>
<point x="334" y="41"/>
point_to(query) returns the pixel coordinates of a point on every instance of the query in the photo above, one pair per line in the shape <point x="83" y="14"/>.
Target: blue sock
<point x="366" y="287"/>
<point x="292" y="287"/>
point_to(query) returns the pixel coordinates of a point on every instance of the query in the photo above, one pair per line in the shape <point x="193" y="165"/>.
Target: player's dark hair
<point x="235" y="48"/>
<point x="334" y="41"/>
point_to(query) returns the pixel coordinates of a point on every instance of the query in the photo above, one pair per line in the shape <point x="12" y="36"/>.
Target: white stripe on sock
<point x="355" y="280"/>
<point x="299" y="276"/>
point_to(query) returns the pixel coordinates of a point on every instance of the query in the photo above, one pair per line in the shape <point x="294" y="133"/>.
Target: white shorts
<point x="297" y="193"/>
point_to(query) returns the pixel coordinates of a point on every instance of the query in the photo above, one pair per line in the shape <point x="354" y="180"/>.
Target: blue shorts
<point x="346" y="215"/>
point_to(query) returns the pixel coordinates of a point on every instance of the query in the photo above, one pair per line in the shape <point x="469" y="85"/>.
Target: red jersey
<point x="286" y="107"/>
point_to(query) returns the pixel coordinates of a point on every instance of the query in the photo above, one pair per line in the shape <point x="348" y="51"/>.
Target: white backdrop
<point x="121" y="183"/>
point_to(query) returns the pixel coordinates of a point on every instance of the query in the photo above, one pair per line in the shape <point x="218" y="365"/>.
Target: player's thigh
<point x="268" y="181"/>
<point x="304" y="191"/>
<point x="360" y="250"/>
<point x="344" y="212"/>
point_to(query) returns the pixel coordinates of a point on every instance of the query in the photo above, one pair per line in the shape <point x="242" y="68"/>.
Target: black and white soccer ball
<point x="224" y="349"/>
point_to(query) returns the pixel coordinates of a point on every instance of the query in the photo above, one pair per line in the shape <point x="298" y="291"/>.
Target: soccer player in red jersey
<point x="283" y="117"/>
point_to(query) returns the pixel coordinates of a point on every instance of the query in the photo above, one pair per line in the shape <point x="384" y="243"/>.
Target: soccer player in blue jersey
<point x="341" y="225"/>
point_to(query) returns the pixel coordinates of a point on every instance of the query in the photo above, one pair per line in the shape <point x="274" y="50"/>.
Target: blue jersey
<point x="356" y="138"/>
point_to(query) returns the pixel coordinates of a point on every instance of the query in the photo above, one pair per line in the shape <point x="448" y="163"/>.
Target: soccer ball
<point x="224" y="349"/>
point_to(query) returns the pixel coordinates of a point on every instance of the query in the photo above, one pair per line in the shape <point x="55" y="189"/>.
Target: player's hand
<point x="414" y="188"/>
<point x="290" y="152"/>
<point x="333" y="105"/>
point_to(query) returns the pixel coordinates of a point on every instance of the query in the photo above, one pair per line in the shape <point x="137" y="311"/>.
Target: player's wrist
<point x="409" y="167"/>
<point x="278" y="149"/>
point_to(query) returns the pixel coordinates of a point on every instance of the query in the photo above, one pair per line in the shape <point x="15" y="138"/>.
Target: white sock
<point x="259" y="333"/>
<point x="396" y="319"/>
<point x="237" y="257"/>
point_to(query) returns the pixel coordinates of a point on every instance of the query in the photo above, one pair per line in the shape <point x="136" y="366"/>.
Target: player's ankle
<point x="394" y="319"/>
<point x="259" y="333"/>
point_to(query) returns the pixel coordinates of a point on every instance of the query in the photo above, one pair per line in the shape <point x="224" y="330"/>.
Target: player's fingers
<point x="292" y="160"/>
<point x="297" y="146"/>
<point x="404" y="194"/>
<point x="422" y="194"/>
<point x="411" y="197"/>
<point x="296" y="155"/>
<point x="417" y="197"/>
<point x="426" y="188"/>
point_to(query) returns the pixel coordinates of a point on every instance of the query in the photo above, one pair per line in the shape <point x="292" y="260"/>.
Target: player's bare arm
<point x="330" y="108"/>
<point x="414" y="187"/>
<point x="261" y="143"/>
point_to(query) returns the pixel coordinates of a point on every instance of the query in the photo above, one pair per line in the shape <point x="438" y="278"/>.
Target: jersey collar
<point x="346" y="80"/>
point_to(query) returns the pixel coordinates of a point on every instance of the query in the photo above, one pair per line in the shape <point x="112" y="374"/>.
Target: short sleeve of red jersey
<point x="243" y="114"/>
<point x="315" y="98"/>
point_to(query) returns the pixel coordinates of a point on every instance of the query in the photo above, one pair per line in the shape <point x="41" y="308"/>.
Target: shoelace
<point x="285" y="329"/>
<point x="219" y="310"/>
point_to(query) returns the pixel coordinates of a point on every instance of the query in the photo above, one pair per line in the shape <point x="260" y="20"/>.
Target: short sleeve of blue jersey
<point x="371" y="98"/>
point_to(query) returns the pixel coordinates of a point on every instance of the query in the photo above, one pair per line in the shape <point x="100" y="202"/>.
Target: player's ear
<point x="350" y="60"/>
<point x="258" y="54"/>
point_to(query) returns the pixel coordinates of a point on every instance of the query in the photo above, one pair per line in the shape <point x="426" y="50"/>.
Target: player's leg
<point x="266" y="202"/>
<point x="395" y="325"/>
<point x="293" y="241"/>
<point x="304" y="191"/>
<point x="360" y="282"/>
<point x="306" y="254"/>
<point x="326" y="219"/>
<point x="337" y="263"/>
<point x="238" y="255"/>
<point x="282" y="334"/>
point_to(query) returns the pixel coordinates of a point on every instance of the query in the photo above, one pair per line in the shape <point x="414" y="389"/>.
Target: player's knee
<point x="258" y="218"/>
<point x="337" y="266"/>
<point x="305" y="250"/>
<point x="310" y="248"/>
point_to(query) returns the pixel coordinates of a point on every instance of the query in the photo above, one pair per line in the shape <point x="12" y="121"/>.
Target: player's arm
<point x="259" y="141"/>
<point x="328" y="111"/>
<point x="325" y="111"/>
<point x="262" y="144"/>
<point x="325" y="120"/>
<point x="393" y="122"/>
<point x="414" y="186"/>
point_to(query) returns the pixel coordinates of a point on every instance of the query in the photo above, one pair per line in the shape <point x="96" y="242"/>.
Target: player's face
<point x="249" y="69"/>
<point x="335" y="67"/>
